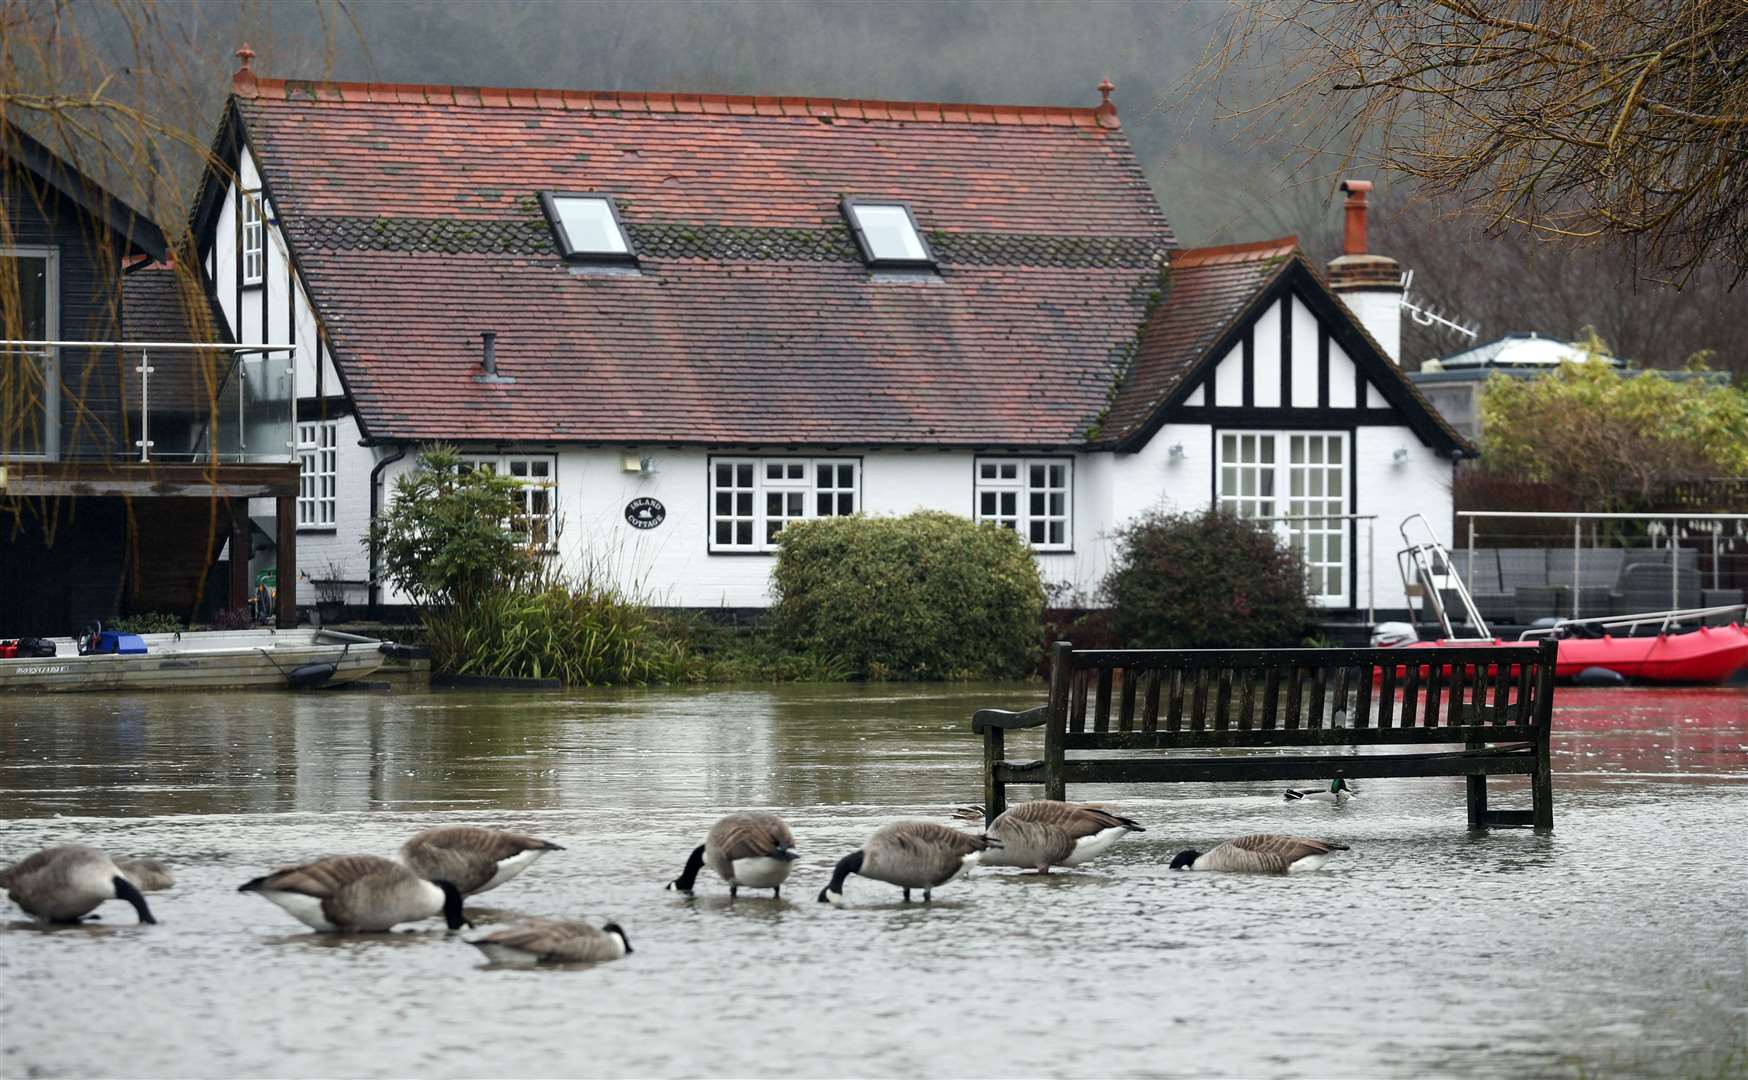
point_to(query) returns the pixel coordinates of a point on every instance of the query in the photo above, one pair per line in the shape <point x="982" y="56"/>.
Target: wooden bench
<point x="1495" y="702"/>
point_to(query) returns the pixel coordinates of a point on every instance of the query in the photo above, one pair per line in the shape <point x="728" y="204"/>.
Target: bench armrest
<point x="984" y="719"/>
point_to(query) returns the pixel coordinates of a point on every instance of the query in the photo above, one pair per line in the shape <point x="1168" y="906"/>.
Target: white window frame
<point x="317" y="473"/>
<point x="755" y="505"/>
<point x="535" y="475"/>
<point x="51" y="430"/>
<point x="1280" y="487"/>
<point x="1017" y="493"/>
<point x="254" y="238"/>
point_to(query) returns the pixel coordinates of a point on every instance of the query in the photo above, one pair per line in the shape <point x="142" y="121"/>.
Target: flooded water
<point x="1614" y="946"/>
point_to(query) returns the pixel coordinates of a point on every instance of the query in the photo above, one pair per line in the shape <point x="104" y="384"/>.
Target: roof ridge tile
<point x="711" y="104"/>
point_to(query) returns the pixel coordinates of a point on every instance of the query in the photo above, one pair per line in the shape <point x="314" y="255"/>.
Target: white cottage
<point x="683" y="321"/>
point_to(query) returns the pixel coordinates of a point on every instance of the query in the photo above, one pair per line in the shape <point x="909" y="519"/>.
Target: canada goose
<point x="1046" y="832"/>
<point x="754" y="850"/>
<point x="475" y="859"/>
<point x="62" y="884"/>
<point x="1337" y="793"/>
<point x="912" y="855"/>
<point x="553" y="941"/>
<point x="358" y="892"/>
<point x="148" y="875"/>
<point x="1260" y="853"/>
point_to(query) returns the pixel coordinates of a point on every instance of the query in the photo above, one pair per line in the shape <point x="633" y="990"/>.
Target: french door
<point x="1298" y="481"/>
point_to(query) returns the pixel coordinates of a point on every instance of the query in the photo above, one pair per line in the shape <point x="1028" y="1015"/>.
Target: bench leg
<point x="1542" y="786"/>
<point x="1477" y="802"/>
<point x="995" y="796"/>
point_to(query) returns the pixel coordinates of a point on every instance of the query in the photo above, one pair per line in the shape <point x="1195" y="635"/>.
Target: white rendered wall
<point x="1420" y="485"/>
<point x="1380" y="312"/>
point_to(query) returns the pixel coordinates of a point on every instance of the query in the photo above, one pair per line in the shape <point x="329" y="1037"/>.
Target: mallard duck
<point x="1338" y="792"/>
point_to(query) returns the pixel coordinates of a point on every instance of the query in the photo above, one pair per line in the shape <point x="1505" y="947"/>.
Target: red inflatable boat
<point x="1702" y="656"/>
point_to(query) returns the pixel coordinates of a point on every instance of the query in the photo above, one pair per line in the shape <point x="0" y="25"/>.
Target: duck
<point x="148" y="875"/>
<point x="358" y="893"/>
<point x="912" y="855"/>
<point x="751" y="850"/>
<point x="553" y="941"/>
<point x="65" y="884"/>
<point x="1337" y="793"/>
<point x="474" y="859"/>
<point x="1260" y="853"/>
<point x="1047" y="832"/>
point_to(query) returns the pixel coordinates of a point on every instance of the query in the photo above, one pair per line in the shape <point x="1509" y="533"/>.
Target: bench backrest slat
<point x="1237" y="697"/>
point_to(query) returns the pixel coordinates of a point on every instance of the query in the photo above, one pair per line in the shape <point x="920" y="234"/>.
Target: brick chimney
<point x="1370" y="285"/>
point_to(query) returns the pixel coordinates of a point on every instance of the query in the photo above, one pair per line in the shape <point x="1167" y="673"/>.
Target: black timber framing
<point x="1296" y="278"/>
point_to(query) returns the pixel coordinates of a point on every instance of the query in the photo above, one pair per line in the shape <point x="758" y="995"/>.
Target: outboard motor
<point x="1393" y="635"/>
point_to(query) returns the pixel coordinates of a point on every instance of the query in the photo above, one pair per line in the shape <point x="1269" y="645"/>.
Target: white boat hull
<point x="222" y="659"/>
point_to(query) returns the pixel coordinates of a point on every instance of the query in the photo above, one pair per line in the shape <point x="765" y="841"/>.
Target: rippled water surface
<point x="1614" y="946"/>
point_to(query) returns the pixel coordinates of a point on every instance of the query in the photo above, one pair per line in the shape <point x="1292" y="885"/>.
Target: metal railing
<point x="1611" y="573"/>
<point x="174" y="404"/>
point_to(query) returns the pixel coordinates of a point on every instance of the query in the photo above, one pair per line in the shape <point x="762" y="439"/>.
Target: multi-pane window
<point x="535" y="516"/>
<point x="254" y="239"/>
<point x="316" y="479"/>
<point x="1029" y="496"/>
<point x="752" y="499"/>
<point x="1298" y="480"/>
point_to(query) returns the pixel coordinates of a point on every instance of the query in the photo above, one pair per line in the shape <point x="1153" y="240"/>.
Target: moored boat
<point x="201" y="660"/>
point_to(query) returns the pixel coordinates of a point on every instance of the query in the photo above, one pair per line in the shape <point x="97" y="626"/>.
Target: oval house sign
<point x="645" y="513"/>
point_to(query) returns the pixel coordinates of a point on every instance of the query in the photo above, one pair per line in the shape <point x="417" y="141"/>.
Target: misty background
<point x="1217" y="180"/>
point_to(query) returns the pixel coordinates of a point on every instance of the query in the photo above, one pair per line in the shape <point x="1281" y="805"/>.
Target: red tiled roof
<point x="413" y="215"/>
<point x="1207" y="289"/>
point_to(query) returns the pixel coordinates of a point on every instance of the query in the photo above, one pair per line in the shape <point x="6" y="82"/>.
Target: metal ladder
<point x="1427" y="574"/>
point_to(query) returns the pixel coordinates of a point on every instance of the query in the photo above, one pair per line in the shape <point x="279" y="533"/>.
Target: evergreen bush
<point x="1208" y="580"/>
<point x="927" y="596"/>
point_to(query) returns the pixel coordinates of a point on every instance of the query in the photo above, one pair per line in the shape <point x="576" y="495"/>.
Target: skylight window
<point x="887" y="234"/>
<point x="588" y="227"/>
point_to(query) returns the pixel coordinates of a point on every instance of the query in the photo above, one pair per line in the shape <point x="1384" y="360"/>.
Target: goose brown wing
<point x="1079" y="820"/>
<point x="553" y="939"/>
<point x="325" y="878"/>
<point x="466" y="856"/>
<point x="750" y="836"/>
<point x="1290" y="848"/>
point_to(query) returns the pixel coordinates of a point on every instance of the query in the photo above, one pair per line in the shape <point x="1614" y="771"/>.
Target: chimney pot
<point x="1354" y="237"/>
<point x="488" y="360"/>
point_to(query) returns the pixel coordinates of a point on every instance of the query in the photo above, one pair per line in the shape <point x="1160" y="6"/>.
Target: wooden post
<point x="1542" y="782"/>
<point x="240" y="545"/>
<point x="285" y="515"/>
<point x="1056" y="727"/>
<point x="1477" y="793"/>
<point x="995" y="795"/>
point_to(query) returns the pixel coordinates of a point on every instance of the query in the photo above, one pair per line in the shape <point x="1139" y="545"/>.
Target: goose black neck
<point x="849" y="864"/>
<point x="124" y="890"/>
<point x="1185" y="859"/>
<point x="452" y="913"/>
<point x="689" y="876"/>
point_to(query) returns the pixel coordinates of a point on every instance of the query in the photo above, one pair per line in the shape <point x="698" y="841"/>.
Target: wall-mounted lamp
<point x="1177" y="451"/>
<point x="1400" y="457"/>
<point x="637" y="463"/>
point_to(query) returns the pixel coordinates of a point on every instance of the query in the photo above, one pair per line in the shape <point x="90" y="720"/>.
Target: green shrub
<point x="585" y="636"/>
<point x="445" y="537"/>
<point x="748" y="654"/>
<point x="926" y="596"/>
<point x="147" y="622"/>
<point x="1208" y="580"/>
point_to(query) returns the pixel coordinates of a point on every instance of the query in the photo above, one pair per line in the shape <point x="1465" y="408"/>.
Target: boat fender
<point x="309" y="676"/>
<point x="1599" y="676"/>
<point x="1389" y="635"/>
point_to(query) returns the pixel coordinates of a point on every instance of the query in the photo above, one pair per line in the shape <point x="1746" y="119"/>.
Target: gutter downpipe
<point x="375" y="502"/>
